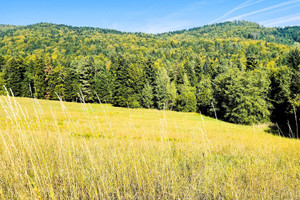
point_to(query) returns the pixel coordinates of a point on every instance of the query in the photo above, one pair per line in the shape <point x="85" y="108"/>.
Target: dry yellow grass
<point x="58" y="150"/>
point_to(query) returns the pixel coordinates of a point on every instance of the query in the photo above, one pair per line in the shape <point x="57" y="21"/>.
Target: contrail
<point x="241" y="6"/>
<point x="263" y="10"/>
<point x="281" y="20"/>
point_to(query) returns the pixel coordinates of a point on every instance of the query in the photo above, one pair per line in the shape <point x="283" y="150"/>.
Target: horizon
<point x="152" y="17"/>
<point x="186" y="29"/>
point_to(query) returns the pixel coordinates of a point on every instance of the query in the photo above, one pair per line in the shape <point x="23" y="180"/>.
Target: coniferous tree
<point x="2" y="62"/>
<point x="150" y="72"/>
<point x="191" y="73"/>
<point x="59" y="88"/>
<point x="86" y="71"/>
<point x="39" y="80"/>
<point x="49" y="79"/>
<point x="186" y="100"/>
<point x="14" y="74"/>
<point x="71" y="85"/>
<point x="293" y="59"/>
<point x="281" y="80"/>
<point x="130" y="69"/>
<point x="135" y="83"/>
<point x="104" y="84"/>
<point x="204" y="95"/>
<point x="147" y="96"/>
<point x="119" y="72"/>
<point x="164" y="93"/>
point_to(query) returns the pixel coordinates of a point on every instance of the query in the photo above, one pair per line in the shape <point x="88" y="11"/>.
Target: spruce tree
<point x="14" y="74"/>
<point x="86" y="71"/>
<point x="40" y="84"/>
<point x="119" y="71"/>
<point x="71" y="85"/>
<point x="103" y="83"/>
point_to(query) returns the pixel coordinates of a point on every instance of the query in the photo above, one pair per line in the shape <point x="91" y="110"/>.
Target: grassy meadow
<point x="59" y="150"/>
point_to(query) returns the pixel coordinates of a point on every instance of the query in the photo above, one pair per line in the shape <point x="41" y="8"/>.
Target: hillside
<point x="237" y="29"/>
<point x="59" y="150"/>
<point x="245" y="30"/>
<point x="239" y="71"/>
<point x="4" y="28"/>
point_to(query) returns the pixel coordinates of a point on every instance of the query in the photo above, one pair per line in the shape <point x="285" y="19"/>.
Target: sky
<point x="149" y="16"/>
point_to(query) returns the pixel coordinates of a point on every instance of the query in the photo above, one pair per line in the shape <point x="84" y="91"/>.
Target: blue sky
<point x="153" y="16"/>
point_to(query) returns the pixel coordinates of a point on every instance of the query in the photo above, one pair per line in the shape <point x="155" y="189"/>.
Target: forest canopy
<point x="240" y="71"/>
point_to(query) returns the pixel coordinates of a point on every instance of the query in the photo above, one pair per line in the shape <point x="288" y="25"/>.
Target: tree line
<point x="240" y="80"/>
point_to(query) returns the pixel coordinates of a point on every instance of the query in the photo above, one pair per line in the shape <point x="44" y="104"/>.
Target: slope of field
<point x="51" y="149"/>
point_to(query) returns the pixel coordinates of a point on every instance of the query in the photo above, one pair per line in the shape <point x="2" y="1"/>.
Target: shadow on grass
<point x="282" y="130"/>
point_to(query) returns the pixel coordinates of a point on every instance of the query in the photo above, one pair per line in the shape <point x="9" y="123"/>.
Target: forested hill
<point x="73" y="41"/>
<point x="241" y="71"/>
<point x="237" y="29"/>
<point x="6" y="27"/>
<point x="245" y="30"/>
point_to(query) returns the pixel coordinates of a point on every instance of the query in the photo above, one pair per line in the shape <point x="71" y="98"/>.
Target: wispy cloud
<point x="281" y="20"/>
<point x="186" y="10"/>
<point x="239" y="7"/>
<point x="166" y="26"/>
<point x="280" y="5"/>
<point x="173" y="21"/>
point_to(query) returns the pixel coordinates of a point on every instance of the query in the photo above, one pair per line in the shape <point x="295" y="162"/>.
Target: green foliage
<point x="293" y="59"/>
<point x="186" y="99"/>
<point x="171" y="95"/>
<point x="39" y="78"/>
<point x="128" y="82"/>
<point x="59" y="89"/>
<point x="251" y="63"/>
<point x="86" y="72"/>
<point x="147" y="96"/>
<point x="241" y="96"/>
<point x="103" y="83"/>
<point x="71" y="85"/>
<point x="245" y="30"/>
<point x="14" y="74"/>
<point x="235" y="66"/>
<point x="165" y="91"/>
<point x="285" y="94"/>
<point x="204" y="95"/>
<point x="2" y="62"/>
